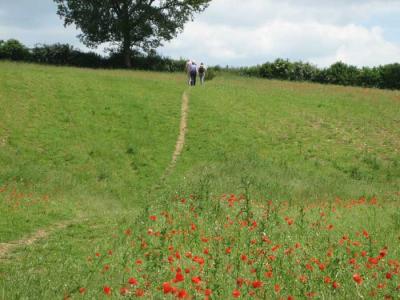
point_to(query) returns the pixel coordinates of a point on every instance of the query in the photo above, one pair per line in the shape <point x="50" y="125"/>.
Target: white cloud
<point x="237" y="32"/>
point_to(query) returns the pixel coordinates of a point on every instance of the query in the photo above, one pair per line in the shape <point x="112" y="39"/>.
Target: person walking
<point x="202" y="73"/>
<point x="187" y="70"/>
<point x="193" y="73"/>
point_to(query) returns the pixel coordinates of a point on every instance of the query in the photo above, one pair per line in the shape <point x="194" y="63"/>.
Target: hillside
<point x="83" y="154"/>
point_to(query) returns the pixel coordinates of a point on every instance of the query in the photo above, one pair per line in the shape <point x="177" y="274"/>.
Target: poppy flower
<point x="335" y="285"/>
<point x="82" y="290"/>
<point x="228" y="250"/>
<point x="179" y="277"/>
<point x="357" y="278"/>
<point x="182" y="294"/>
<point x="236" y="293"/>
<point x="207" y="292"/>
<point x="139" y="293"/>
<point x="388" y="276"/>
<point x="153" y="218"/>
<point x="196" y="280"/>
<point x="132" y="281"/>
<point x="257" y="284"/>
<point x="107" y="290"/>
<point x="123" y="291"/>
<point x="277" y="288"/>
<point x="167" y="288"/>
<point x="268" y="274"/>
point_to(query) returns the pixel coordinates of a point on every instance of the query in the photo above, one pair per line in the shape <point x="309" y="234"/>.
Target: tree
<point x="129" y="24"/>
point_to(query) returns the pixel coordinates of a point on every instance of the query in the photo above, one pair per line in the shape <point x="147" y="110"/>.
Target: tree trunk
<point x="127" y="57"/>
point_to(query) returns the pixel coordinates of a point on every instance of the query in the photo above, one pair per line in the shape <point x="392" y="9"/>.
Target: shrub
<point x="210" y="74"/>
<point x="390" y="75"/>
<point x="14" y="50"/>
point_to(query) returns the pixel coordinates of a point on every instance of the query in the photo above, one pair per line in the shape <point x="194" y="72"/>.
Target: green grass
<point x="91" y="146"/>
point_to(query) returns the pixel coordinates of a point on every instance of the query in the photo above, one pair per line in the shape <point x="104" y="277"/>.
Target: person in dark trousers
<point x="202" y="73"/>
<point x="193" y="74"/>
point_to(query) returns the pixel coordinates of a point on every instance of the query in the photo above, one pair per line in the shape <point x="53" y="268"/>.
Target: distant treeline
<point x="385" y="77"/>
<point x="67" y="55"/>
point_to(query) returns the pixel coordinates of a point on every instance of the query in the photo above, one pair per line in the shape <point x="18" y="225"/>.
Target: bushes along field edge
<point x="384" y="77"/>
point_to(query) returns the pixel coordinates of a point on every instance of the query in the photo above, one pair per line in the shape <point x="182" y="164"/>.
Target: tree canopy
<point x="129" y="24"/>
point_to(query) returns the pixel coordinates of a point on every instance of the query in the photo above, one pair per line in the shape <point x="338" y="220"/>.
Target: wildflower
<point x="365" y="234"/>
<point x="236" y="293"/>
<point x="290" y="298"/>
<point x="110" y="252"/>
<point x="327" y="279"/>
<point x="193" y="227"/>
<point x="153" y="218"/>
<point x="167" y="288"/>
<point x="228" y="250"/>
<point x="107" y="290"/>
<point x="139" y="262"/>
<point x="388" y="276"/>
<point x="257" y="284"/>
<point x="383" y="253"/>
<point x="98" y="254"/>
<point x="243" y="257"/>
<point x="179" y="277"/>
<point x="182" y="294"/>
<point x="196" y="280"/>
<point x="357" y="278"/>
<point x="207" y="292"/>
<point x="206" y="251"/>
<point x="277" y="288"/>
<point x="373" y="260"/>
<point x="128" y="231"/>
<point x="123" y="291"/>
<point x="321" y="267"/>
<point x="132" y="281"/>
<point x="364" y="253"/>
<point x="240" y="282"/>
<point x="139" y="293"/>
<point x="82" y="290"/>
<point x="268" y="274"/>
<point x="335" y="285"/>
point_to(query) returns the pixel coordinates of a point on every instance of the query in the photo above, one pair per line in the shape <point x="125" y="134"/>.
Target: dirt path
<point x="6" y="248"/>
<point x="180" y="143"/>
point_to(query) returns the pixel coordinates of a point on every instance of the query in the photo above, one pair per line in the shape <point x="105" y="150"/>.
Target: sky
<point x="247" y="32"/>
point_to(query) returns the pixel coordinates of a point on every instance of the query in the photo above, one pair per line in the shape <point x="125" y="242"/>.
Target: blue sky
<point x="248" y="32"/>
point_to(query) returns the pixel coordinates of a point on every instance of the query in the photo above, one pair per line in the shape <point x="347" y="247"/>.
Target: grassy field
<point x="283" y="190"/>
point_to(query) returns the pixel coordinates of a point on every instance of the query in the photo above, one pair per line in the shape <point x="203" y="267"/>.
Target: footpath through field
<point x="6" y="248"/>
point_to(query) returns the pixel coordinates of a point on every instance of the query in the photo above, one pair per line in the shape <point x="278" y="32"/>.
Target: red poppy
<point x="236" y="293"/>
<point x="257" y="284"/>
<point x="357" y="278"/>
<point x="153" y="218"/>
<point x="182" y="294"/>
<point x="167" y="288"/>
<point x="335" y="285"/>
<point x="179" y="277"/>
<point x="123" y="291"/>
<point x="139" y="293"/>
<point x="327" y="279"/>
<point x="82" y="290"/>
<point x="228" y="250"/>
<point x="107" y="290"/>
<point x="268" y="274"/>
<point x="132" y="281"/>
<point x="243" y="257"/>
<point x="277" y="288"/>
<point x="196" y="280"/>
<point x="388" y="276"/>
<point x="207" y="292"/>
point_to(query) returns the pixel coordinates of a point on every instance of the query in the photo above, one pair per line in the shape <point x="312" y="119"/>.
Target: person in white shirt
<point x="187" y="69"/>
<point x="202" y="73"/>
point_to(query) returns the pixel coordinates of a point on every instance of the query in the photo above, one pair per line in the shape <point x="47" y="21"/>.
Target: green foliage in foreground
<point x="91" y="146"/>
